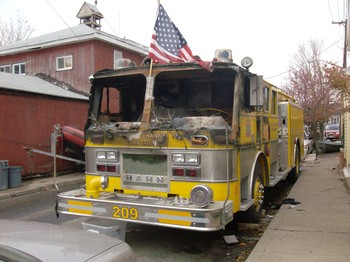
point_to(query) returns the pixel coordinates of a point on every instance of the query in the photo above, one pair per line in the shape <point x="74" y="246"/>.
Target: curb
<point x="346" y="177"/>
<point x="38" y="186"/>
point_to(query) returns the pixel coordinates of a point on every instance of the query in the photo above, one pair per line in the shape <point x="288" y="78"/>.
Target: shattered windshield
<point x="176" y="94"/>
<point x="193" y="95"/>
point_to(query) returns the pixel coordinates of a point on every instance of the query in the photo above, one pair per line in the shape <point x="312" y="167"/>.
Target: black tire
<point x="295" y="173"/>
<point x="253" y="214"/>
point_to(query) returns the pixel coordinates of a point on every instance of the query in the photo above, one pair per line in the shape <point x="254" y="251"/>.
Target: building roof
<point x="34" y="84"/>
<point x="71" y="35"/>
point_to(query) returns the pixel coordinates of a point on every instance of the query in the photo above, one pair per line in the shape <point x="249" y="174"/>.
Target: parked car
<point x="308" y="144"/>
<point x="332" y="132"/>
<point x="34" y="241"/>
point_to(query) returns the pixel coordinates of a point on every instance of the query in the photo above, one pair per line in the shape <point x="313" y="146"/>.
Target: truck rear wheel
<point x="253" y="214"/>
<point x="294" y="174"/>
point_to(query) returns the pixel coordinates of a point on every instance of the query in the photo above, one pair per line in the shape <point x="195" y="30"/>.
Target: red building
<point x="73" y="54"/>
<point x="29" y="109"/>
<point x="66" y="58"/>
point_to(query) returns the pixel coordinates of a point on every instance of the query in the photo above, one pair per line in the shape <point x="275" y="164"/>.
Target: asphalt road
<point x="148" y="242"/>
<point x="151" y="243"/>
<point x="35" y="207"/>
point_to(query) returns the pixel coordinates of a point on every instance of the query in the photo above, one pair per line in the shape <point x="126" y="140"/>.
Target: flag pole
<point x="146" y="116"/>
<point x="150" y="68"/>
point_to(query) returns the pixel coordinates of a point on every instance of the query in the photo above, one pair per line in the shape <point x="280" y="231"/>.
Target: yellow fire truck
<point x="179" y="146"/>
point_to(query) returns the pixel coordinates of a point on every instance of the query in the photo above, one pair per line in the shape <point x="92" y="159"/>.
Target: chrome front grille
<point x="145" y="172"/>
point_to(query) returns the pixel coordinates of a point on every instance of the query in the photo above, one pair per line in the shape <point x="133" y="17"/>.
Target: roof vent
<point x="89" y="15"/>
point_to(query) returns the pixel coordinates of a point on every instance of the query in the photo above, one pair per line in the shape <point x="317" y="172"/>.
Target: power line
<point x="294" y="68"/>
<point x="278" y="74"/>
<point x="111" y="28"/>
<point x="62" y="19"/>
<point x="331" y="45"/>
<point x="342" y="22"/>
<point x="330" y="11"/>
<point x="108" y="22"/>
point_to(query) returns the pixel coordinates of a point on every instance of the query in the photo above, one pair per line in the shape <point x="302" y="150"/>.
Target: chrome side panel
<point x="248" y="157"/>
<point x="212" y="165"/>
<point x="283" y="124"/>
<point x="283" y="149"/>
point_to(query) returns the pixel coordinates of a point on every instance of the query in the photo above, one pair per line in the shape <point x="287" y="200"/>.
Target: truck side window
<point x="266" y="98"/>
<point x="274" y="103"/>
<point x="110" y="101"/>
<point x="246" y="92"/>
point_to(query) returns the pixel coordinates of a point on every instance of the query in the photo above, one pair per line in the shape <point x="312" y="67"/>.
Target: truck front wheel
<point x="253" y="214"/>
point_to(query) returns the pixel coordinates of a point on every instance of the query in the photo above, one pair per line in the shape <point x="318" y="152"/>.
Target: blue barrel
<point x="14" y="176"/>
<point x="4" y="174"/>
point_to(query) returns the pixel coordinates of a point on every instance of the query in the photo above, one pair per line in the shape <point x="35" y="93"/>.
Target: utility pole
<point x="345" y="54"/>
<point x="345" y="23"/>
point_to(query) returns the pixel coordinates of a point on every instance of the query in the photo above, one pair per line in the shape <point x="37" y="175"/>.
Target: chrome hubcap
<point x="258" y="194"/>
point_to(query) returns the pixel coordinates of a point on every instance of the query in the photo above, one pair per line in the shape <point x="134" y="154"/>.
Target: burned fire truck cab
<point x="180" y="146"/>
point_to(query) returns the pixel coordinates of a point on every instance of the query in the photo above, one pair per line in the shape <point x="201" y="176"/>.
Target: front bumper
<point x="167" y="212"/>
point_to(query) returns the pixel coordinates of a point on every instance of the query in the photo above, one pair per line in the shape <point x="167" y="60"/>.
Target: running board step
<point x="281" y="176"/>
<point x="246" y="204"/>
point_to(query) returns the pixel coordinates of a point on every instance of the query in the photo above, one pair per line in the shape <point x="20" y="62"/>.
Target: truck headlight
<point x="101" y="155"/>
<point x="106" y="155"/>
<point x="201" y="195"/>
<point x="111" y="155"/>
<point x="178" y="158"/>
<point x="192" y="158"/>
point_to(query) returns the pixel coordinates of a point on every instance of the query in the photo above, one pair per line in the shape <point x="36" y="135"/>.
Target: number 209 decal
<point x="125" y="213"/>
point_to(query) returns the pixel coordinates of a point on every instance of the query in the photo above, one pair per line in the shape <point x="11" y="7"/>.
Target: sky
<point x="268" y="31"/>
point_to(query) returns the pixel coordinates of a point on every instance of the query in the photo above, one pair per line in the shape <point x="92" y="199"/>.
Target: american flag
<point x="168" y="44"/>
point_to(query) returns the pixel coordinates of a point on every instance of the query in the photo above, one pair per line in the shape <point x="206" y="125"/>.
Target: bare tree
<point x="309" y="84"/>
<point x="15" y="30"/>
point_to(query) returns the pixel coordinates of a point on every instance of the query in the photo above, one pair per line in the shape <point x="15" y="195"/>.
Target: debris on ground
<point x="231" y="239"/>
